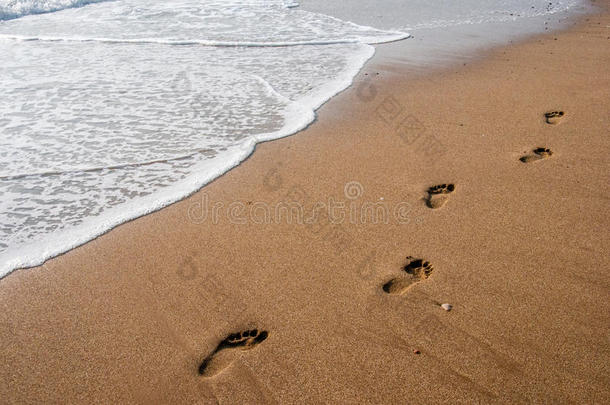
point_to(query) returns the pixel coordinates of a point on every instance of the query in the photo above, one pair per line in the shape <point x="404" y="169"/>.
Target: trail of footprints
<point x="415" y="271"/>
<point x="542" y="153"/>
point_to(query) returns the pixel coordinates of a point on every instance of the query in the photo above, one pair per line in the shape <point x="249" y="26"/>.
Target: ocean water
<point x="450" y="32"/>
<point x="415" y="15"/>
<point x="113" y="109"/>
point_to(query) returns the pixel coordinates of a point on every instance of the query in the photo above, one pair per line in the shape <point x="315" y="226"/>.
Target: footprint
<point x="438" y="195"/>
<point x="553" y="117"/>
<point x="225" y="352"/>
<point x="539" y="154"/>
<point x="417" y="270"/>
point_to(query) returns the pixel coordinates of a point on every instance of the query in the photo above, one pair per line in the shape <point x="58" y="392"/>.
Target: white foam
<point x="10" y="9"/>
<point x="390" y="37"/>
<point x="33" y="254"/>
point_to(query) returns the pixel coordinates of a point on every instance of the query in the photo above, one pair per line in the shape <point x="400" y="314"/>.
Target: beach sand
<point x="519" y="249"/>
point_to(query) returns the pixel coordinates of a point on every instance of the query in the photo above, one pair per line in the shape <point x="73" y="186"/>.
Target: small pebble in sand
<point x="415" y="351"/>
<point x="447" y="307"/>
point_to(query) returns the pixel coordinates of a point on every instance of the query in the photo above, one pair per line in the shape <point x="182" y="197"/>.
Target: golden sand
<point x="519" y="248"/>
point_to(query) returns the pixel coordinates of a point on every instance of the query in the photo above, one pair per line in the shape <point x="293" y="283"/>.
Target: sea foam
<point x="10" y="9"/>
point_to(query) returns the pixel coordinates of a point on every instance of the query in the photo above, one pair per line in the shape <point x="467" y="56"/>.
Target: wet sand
<point x="516" y="241"/>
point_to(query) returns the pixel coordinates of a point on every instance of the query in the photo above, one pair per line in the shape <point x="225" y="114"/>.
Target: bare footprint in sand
<point x="538" y="154"/>
<point x="553" y="117"/>
<point x="417" y="270"/>
<point x="225" y="352"/>
<point x="439" y="195"/>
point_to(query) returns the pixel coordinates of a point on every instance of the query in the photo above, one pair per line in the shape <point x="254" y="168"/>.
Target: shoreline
<point x="419" y="64"/>
<point x="299" y="114"/>
<point x="136" y="310"/>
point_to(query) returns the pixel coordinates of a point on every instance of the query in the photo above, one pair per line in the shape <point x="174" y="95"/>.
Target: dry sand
<point x="519" y="249"/>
